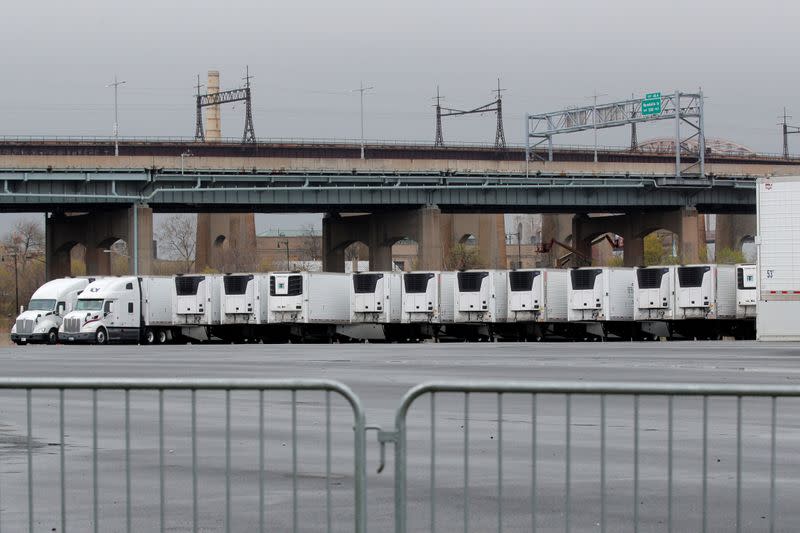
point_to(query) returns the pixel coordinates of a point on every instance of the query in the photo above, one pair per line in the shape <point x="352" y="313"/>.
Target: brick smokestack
<point x="213" y="125"/>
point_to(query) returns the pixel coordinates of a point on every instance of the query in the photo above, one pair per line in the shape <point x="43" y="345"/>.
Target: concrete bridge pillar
<point x="431" y="255"/>
<point x="731" y="231"/>
<point x="434" y="232"/>
<point x="97" y="231"/>
<point x="226" y="242"/>
<point x="686" y="223"/>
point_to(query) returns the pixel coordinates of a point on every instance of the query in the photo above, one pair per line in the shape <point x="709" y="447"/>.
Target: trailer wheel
<point x="52" y="336"/>
<point x="101" y="336"/>
<point x="162" y="336"/>
<point x="149" y="336"/>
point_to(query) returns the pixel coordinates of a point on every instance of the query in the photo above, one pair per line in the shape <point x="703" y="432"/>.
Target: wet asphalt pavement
<point x="380" y="375"/>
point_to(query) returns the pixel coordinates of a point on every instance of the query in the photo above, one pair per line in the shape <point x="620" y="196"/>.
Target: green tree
<point x="462" y="257"/>
<point x="727" y="256"/>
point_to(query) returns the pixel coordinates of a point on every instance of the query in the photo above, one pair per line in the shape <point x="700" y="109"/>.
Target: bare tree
<point x="311" y="244"/>
<point x="354" y="253"/>
<point x="177" y="239"/>
<point x="26" y="240"/>
<point x="23" y="264"/>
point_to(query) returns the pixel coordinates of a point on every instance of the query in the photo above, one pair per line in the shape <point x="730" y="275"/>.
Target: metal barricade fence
<point x="34" y="420"/>
<point x="618" y="484"/>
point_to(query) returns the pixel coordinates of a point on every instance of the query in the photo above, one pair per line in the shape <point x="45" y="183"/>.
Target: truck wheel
<point x="149" y="336"/>
<point x="52" y="336"/>
<point x="162" y="336"/>
<point x="101" y="336"/>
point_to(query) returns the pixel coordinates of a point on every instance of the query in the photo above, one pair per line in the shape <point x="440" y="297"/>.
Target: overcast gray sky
<point x="306" y="57"/>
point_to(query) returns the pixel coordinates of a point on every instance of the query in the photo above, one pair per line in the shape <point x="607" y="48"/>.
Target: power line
<point x="495" y="106"/>
<point x="787" y="130"/>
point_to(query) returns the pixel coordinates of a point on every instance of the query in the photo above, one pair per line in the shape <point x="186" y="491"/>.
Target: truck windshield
<point x="41" y="305"/>
<point x="89" y="305"/>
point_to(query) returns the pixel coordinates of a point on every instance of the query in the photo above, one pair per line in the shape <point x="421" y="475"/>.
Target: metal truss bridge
<point x="73" y="190"/>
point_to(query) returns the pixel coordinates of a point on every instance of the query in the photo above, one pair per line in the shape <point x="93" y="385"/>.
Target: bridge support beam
<point x="733" y="230"/>
<point x="226" y="242"/>
<point x="97" y="231"/>
<point x="435" y="233"/>
<point x="686" y="223"/>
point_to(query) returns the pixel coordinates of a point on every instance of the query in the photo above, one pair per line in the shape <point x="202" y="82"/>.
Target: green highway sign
<point x="651" y="104"/>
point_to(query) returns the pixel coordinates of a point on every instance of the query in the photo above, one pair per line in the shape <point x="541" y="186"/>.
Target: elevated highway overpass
<point x="416" y="181"/>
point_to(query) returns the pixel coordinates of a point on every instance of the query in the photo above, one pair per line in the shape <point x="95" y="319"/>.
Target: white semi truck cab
<point x="121" y="309"/>
<point x="39" y="322"/>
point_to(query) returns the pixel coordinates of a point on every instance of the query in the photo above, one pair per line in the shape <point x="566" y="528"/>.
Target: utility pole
<point x="787" y="130"/>
<point x="286" y="245"/>
<point x="116" y="85"/>
<point x="16" y="279"/>
<point x="594" y="96"/>
<point x="361" y="90"/>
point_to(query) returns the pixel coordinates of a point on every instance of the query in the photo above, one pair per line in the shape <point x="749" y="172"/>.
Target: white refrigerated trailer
<point x="376" y="297"/>
<point x="778" y="245"/>
<point x="746" y="291"/>
<point x="705" y="292"/>
<point x="196" y="299"/>
<point x="420" y="301"/>
<point x="244" y="308"/>
<point x="481" y="296"/>
<point x="600" y="294"/>
<point x="537" y="295"/>
<point x="375" y="306"/>
<point x="654" y="293"/>
<point x="602" y="299"/>
<point x="313" y="304"/>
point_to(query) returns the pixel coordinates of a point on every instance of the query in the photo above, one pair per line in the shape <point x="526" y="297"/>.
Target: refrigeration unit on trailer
<point x="480" y="296"/>
<point x="375" y="306"/>
<point x="653" y="293"/>
<point x="420" y="301"/>
<point x="705" y="292"/>
<point x="196" y="299"/>
<point x="746" y="291"/>
<point x="243" y="307"/>
<point x="537" y="295"/>
<point x="376" y="297"/>
<point x="303" y="299"/>
<point x="421" y="313"/>
<point x="778" y="280"/>
<point x="124" y="309"/>
<point x="39" y="322"/>
<point x="600" y="294"/>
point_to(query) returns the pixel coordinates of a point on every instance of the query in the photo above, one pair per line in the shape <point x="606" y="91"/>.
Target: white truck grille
<point x="72" y="325"/>
<point x="24" y="326"/>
